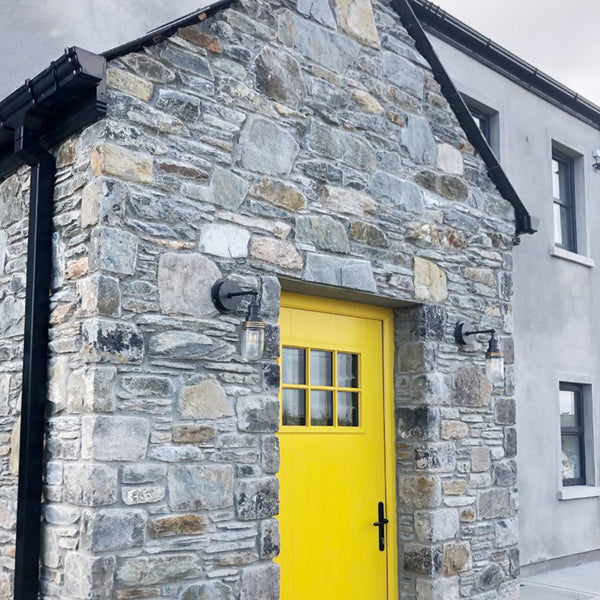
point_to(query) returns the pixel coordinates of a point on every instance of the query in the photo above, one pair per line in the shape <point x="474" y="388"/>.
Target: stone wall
<point x="276" y="140"/>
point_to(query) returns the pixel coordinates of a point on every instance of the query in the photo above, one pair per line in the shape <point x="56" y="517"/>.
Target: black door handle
<point x="381" y="523"/>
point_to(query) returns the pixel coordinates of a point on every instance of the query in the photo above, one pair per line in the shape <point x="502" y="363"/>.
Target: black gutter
<point x="65" y="97"/>
<point x="525" y="223"/>
<point x="165" y="31"/>
<point x="456" y="33"/>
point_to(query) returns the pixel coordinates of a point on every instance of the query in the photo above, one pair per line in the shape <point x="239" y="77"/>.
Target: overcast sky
<point x="559" y="38"/>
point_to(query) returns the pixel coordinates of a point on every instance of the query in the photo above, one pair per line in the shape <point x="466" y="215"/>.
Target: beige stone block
<point x="467" y="515"/>
<point x="420" y="492"/>
<point x="455" y="487"/>
<point x="90" y="204"/>
<point x="129" y="84"/>
<point x="348" y="201"/>
<point x="280" y="194"/>
<point x="207" y="400"/>
<point x="192" y="434"/>
<point x="109" y="159"/>
<point x="367" y="102"/>
<point x="457" y="558"/>
<point x="480" y="459"/>
<point x="454" y="430"/>
<point x="179" y="525"/>
<point x="481" y="275"/>
<point x="449" y="159"/>
<point x="355" y="17"/>
<point x="276" y="252"/>
<point x="77" y="268"/>
<point x="15" y="448"/>
<point x="430" y="281"/>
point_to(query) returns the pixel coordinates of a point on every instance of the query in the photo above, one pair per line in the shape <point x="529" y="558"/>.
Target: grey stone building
<point x="291" y="147"/>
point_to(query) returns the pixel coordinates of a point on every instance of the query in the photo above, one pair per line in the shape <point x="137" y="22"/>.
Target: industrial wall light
<point x="494" y="360"/>
<point x="227" y="297"/>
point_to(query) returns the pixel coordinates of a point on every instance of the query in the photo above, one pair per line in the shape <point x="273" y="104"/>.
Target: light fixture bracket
<point x="227" y="295"/>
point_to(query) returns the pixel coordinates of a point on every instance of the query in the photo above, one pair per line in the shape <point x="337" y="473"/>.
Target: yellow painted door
<point x="333" y="452"/>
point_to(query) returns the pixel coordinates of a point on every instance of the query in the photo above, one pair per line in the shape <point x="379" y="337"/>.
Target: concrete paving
<point x="580" y="582"/>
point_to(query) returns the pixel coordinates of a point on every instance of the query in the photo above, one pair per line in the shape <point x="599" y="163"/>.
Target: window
<point x="563" y="192"/>
<point x="572" y="434"/>
<point x="320" y="388"/>
<point x="483" y="121"/>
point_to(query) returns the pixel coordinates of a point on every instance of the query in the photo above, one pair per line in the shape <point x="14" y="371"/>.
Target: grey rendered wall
<point x="555" y="303"/>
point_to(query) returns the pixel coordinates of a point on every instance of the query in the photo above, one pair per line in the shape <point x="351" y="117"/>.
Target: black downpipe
<point x="35" y="364"/>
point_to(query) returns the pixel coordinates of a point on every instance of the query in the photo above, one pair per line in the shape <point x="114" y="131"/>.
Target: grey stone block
<point x="110" y="530"/>
<point x="110" y="438"/>
<point x="113" y="250"/>
<point x="325" y="47"/>
<point x="112" y="341"/>
<point x="278" y="76"/>
<point x="396" y="192"/>
<point x="257" y="498"/>
<point x="403" y="74"/>
<point x="89" y="484"/>
<point x="184" y="284"/>
<point x="265" y="147"/>
<point x="158" y="569"/>
<point x="348" y="148"/>
<point x="260" y="583"/>
<point x="323" y="231"/>
<point x="206" y="487"/>
<point x="342" y="272"/>
<point x="257" y="414"/>
<point x="89" y="577"/>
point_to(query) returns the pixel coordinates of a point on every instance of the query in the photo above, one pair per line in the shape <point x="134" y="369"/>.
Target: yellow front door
<point x="336" y="452"/>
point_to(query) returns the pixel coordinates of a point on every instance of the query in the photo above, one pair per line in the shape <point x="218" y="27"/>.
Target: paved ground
<point x="581" y="582"/>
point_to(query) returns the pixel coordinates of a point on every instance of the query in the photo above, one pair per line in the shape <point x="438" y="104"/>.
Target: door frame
<point x="386" y="317"/>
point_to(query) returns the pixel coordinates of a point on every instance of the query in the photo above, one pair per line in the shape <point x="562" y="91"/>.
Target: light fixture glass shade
<point x="253" y="340"/>
<point x="494" y="369"/>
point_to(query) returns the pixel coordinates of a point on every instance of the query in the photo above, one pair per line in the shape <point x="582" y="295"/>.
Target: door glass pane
<point x="293" y="366"/>
<point x="571" y="457"/>
<point x="321" y="366"/>
<point x="568" y="409"/>
<point x="293" y="407"/>
<point x="348" y="409"/>
<point x="321" y="407"/>
<point x="347" y="370"/>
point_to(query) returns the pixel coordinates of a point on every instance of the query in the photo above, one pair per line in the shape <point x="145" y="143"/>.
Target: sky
<point x="557" y="37"/>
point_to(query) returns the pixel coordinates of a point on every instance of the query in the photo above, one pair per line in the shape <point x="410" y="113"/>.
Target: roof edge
<point x="463" y="37"/>
<point x="525" y="223"/>
<point x="59" y="101"/>
<point x="155" y="36"/>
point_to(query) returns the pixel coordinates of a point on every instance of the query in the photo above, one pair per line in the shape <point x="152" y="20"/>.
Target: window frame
<point x="569" y="204"/>
<point x="577" y="431"/>
<point x="485" y="125"/>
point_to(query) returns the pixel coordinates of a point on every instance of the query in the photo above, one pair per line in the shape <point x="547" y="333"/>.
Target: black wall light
<point x="494" y="359"/>
<point x="227" y="297"/>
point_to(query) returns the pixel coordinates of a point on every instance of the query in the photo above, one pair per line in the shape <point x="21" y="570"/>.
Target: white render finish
<point x="556" y="299"/>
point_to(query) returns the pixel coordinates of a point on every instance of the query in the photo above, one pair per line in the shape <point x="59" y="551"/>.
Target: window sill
<point x="558" y="252"/>
<point x="575" y="492"/>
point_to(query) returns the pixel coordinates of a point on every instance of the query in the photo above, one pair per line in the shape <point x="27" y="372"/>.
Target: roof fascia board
<point x="459" y="35"/>
<point x="524" y="221"/>
<point x="165" y="31"/>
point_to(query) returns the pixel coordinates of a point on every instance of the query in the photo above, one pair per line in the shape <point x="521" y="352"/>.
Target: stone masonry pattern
<point x="299" y="140"/>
